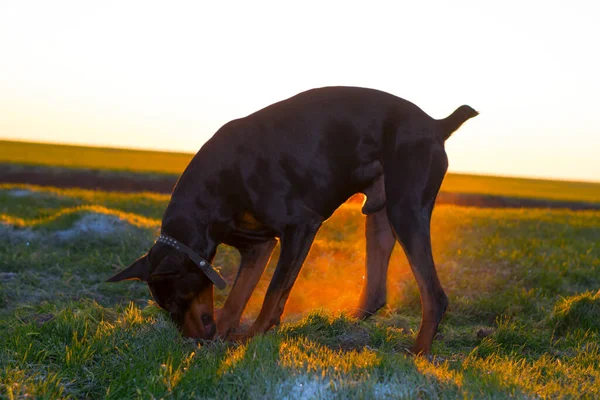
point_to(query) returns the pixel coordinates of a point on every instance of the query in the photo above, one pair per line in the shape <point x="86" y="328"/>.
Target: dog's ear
<point x="140" y="269"/>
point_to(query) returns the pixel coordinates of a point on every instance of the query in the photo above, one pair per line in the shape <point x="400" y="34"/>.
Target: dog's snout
<point x="198" y="321"/>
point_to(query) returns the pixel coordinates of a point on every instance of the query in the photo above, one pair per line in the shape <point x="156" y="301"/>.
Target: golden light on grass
<point x="307" y="356"/>
<point x="130" y="218"/>
<point x="234" y="356"/>
<point x="171" y="373"/>
<point x="132" y="316"/>
<point x="440" y="371"/>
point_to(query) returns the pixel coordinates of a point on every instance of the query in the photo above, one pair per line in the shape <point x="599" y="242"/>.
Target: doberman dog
<point x="281" y="172"/>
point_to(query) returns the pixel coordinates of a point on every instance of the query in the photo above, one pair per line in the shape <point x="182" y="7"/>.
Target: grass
<point x="522" y="187"/>
<point x="141" y="161"/>
<point x="523" y="319"/>
<point x="57" y="155"/>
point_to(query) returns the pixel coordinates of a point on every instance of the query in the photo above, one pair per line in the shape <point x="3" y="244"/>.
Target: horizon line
<point x="155" y="150"/>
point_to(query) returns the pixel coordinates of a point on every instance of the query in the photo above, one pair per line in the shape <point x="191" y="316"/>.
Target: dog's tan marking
<point x="247" y="221"/>
<point x="192" y="325"/>
<point x="253" y="262"/>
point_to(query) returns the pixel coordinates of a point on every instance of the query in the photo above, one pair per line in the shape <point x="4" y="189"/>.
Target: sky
<point x="167" y="75"/>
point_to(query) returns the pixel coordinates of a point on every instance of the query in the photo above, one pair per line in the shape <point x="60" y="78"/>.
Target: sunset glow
<point x="157" y="76"/>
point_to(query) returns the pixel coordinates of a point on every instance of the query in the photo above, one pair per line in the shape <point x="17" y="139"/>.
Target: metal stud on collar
<point x="169" y="241"/>
<point x="204" y="265"/>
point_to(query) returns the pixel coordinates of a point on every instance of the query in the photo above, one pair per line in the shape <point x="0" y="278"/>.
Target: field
<point x="56" y="155"/>
<point x="524" y="317"/>
<point x="155" y="165"/>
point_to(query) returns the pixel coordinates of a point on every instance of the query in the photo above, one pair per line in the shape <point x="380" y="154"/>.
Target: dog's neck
<point x="190" y="230"/>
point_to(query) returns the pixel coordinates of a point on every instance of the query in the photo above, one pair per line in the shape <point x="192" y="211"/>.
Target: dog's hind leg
<point x="413" y="233"/>
<point x="414" y="172"/>
<point x="380" y="243"/>
<point x="254" y="259"/>
<point x="295" y="244"/>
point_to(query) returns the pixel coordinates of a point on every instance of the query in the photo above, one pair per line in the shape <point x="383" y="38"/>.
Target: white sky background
<point x="167" y="75"/>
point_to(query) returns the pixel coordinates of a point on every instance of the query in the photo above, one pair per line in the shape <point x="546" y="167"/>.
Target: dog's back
<point x="318" y="148"/>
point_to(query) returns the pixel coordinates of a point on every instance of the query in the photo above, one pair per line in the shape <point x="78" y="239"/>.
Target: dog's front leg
<point x="295" y="244"/>
<point x="254" y="259"/>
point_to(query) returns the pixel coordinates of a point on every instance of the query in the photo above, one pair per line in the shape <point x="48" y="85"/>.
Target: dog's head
<point x="178" y="286"/>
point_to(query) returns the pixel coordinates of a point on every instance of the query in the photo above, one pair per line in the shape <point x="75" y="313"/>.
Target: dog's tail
<point x="451" y="123"/>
